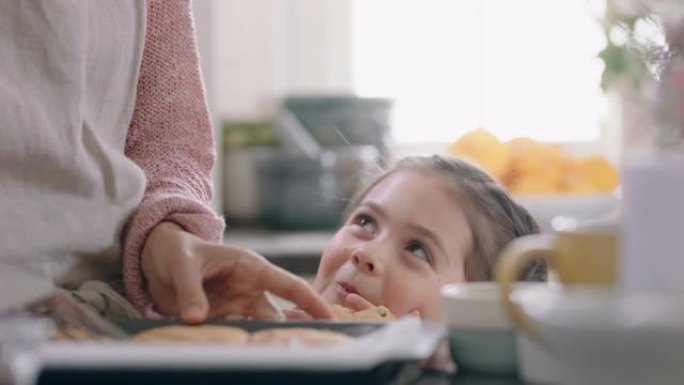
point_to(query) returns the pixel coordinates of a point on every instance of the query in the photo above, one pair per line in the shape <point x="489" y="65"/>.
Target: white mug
<point x="652" y="257"/>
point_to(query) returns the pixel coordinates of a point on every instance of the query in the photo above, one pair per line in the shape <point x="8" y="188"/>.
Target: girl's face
<point x="405" y="239"/>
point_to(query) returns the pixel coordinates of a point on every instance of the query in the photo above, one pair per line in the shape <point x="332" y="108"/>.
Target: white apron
<point x="68" y="75"/>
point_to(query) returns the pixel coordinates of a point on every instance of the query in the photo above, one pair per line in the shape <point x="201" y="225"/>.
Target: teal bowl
<point x="482" y="336"/>
<point x="491" y="352"/>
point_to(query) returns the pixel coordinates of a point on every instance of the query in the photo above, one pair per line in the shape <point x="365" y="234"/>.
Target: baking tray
<point x="383" y="353"/>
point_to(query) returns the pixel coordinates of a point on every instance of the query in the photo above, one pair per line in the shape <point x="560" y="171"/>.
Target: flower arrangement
<point x="645" y="51"/>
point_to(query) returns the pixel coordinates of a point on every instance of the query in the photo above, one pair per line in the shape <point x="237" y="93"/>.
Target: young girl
<point x="425" y="222"/>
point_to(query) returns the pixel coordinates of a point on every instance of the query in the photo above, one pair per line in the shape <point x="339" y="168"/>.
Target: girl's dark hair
<point x="495" y="219"/>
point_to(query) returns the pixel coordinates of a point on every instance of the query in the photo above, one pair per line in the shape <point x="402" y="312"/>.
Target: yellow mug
<point x="586" y="257"/>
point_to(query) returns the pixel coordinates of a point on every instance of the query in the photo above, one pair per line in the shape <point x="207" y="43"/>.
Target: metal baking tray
<point x="383" y="353"/>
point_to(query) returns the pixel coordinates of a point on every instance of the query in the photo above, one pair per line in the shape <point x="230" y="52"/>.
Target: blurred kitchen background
<point x="310" y="97"/>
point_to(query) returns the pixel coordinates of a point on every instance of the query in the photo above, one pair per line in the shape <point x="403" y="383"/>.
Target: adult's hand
<point x="195" y="279"/>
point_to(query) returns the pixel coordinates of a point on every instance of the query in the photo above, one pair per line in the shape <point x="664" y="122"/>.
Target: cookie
<point x="378" y="313"/>
<point x="202" y="333"/>
<point x="305" y="336"/>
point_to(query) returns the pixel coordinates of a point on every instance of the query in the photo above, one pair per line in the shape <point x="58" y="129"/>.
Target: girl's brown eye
<point x="419" y="251"/>
<point x="365" y="222"/>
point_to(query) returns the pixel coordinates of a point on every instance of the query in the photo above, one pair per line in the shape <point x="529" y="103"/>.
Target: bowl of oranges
<point x="544" y="178"/>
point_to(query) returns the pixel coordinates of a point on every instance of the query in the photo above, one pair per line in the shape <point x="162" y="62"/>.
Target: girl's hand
<point x="195" y="279"/>
<point x="357" y="303"/>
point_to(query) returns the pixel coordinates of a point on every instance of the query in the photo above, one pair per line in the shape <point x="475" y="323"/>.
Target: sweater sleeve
<point x="170" y="137"/>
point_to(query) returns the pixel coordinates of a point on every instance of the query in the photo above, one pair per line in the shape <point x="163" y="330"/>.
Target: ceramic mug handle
<point x="513" y="260"/>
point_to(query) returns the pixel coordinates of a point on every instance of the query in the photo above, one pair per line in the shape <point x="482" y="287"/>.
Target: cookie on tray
<point x="305" y="336"/>
<point x="187" y="333"/>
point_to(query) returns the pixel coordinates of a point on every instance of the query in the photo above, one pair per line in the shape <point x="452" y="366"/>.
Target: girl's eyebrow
<point x="379" y="211"/>
<point x="424" y="231"/>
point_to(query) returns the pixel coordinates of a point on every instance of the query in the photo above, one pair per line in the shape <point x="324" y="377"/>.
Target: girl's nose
<point x="366" y="261"/>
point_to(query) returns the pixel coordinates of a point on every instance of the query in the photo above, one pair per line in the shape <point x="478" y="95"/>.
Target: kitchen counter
<point x="296" y="251"/>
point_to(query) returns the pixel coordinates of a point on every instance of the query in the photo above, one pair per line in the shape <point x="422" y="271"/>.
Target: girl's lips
<point x="345" y="288"/>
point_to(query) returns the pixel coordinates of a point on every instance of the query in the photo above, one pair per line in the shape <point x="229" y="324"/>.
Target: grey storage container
<point x="299" y="193"/>
<point x="337" y="121"/>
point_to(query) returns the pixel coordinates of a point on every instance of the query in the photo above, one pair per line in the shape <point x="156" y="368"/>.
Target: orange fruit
<point x="531" y="185"/>
<point x="531" y="159"/>
<point x="599" y="172"/>
<point x="483" y="148"/>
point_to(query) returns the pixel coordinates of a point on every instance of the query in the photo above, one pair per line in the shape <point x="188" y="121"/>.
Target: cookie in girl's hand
<point x="377" y="313"/>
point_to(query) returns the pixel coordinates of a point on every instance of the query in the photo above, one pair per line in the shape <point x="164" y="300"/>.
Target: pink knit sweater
<point x="170" y="138"/>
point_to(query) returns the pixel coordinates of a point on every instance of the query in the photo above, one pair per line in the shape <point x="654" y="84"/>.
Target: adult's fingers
<point x="295" y="289"/>
<point x="192" y="302"/>
<point x="264" y="308"/>
<point x="297" y="314"/>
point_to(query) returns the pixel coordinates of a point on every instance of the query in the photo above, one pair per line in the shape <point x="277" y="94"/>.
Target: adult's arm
<point x="170" y="137"/>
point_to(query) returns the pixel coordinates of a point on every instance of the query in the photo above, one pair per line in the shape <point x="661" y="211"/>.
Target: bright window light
<point x="515" y="68"/>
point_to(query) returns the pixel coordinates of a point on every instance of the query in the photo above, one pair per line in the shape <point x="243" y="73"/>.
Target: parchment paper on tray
<point x="407" y="339"/>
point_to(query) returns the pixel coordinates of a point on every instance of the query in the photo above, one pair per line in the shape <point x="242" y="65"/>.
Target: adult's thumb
<point x="192" y="301"/>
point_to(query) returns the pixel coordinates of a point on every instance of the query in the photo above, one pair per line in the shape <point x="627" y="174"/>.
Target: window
<point x="516" y="68"/>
